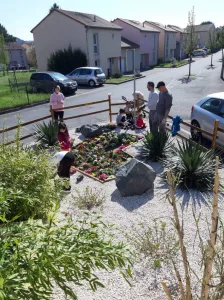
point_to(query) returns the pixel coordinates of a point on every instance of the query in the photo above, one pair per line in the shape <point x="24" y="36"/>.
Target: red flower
<point x="103" y="176"/>
<point x="88" y="171"/>
<point x="139" y="137"/>
<point x="118" y="151"/>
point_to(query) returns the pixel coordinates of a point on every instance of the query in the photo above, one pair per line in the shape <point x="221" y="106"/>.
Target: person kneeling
<point x="121" y="118"/>
<point x="140" y="124"/>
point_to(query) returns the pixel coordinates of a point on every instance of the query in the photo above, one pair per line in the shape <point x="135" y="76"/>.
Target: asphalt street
<point x="205" y="81"/>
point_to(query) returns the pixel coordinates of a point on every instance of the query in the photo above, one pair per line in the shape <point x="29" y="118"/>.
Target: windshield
<point x="98" y="71"/>
<point x="59" y="76"/>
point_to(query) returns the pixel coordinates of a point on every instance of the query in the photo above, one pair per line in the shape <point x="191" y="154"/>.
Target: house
<point x="145" y="36"/>
<point x="128" y="49"/>
<point x="27" y="45"/>
<point x="17" y="55"/>
<point x="97" y="37"/>
<point x="202" y="32"/>
<point x="179" y="52"/>
<point x="167" y="40"/>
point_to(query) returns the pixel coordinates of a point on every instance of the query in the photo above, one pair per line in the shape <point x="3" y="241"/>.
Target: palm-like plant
<point x="156" y="145"/>
<point x="192" y="166"/>
<point x="47" y="134"/>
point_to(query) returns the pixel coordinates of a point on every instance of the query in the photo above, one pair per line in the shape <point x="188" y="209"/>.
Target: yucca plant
<point x="156" y="145"/>
<point x="47" y="133"/>
<point x="192" y="166"/>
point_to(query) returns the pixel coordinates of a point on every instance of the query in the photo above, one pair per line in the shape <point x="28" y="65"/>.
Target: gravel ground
<point x="127" y="214"/>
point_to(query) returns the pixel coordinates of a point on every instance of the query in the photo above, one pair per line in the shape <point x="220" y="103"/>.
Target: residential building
<point x="179" y="51"/>
<point x="202" y="32"/>
<point x="130" y="52"/>
<point x="97" y="37"/>
<point x="145" y="36"/>
<point x="167" y="40"/>
<point x="27" y="45"/>
<point x="17" y="55"/>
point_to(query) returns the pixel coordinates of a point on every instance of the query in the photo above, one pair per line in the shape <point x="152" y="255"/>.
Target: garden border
<point x="143" y="76"/>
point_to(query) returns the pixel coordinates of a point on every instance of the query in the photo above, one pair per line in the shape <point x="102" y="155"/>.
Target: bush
<point x="156" y="145"/>
<point x="47" y="134"/>
<point x="33" y="256"/>
<point x="65" y="61"/>
<point x="89" y="198"/>
<point x="26" y="185"/>
<point x="117" y="75"/>
<point x="192" y="166"/>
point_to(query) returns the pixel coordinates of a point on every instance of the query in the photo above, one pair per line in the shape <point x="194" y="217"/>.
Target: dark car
<point x="46" y="81"/>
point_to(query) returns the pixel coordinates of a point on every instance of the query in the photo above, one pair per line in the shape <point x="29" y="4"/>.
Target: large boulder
<point x="134" y="178"/>
<point x="91" y="130"/>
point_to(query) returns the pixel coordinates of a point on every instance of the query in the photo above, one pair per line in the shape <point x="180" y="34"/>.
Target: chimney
<point x="94" y="18"/>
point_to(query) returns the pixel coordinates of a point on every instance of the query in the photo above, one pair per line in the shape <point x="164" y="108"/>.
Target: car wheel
<point x="196" y="135"/>
<point x="92" y="83"/>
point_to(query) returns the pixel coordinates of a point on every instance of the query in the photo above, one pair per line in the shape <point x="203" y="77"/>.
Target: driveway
<point x="205" y="82"/>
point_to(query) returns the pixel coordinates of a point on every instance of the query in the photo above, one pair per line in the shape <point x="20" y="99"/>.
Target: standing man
<point x="163" y="106"/>
<point x="152" y="103"/>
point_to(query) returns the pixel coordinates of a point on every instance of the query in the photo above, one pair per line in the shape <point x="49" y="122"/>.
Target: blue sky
<point x="20" y="16"/>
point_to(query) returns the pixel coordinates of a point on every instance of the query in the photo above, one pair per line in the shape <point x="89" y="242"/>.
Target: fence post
<point x="110" y="112"/>
<point x="215" y="131"/>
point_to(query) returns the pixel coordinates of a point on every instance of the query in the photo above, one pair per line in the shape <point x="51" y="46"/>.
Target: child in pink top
<point x="63" y="137"/>
<point x="57" y="104"/>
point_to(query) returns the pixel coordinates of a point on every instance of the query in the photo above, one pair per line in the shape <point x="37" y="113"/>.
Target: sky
<point x="20" y="16"/>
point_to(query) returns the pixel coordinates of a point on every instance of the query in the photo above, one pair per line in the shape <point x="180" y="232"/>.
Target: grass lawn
<point x="119" y="80"/>
<point x="169" y="64"/>
<point x="10" y="99"/>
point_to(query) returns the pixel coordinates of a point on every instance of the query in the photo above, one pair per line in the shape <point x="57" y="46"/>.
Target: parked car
<point x="199" y="52"/>
<point x="88" y="75"/>
<point x="46" y="81"/>
<point x="206" y="50"/>
<point x="203" y="115"/>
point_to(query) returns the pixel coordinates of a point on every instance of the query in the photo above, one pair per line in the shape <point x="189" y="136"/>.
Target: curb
<point x="126" y="80"/>
<point x="171" y="67"/>
<point x="10" y="110"/>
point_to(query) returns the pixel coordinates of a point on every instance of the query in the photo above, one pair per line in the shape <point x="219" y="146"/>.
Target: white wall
<point x="57" y="32"/>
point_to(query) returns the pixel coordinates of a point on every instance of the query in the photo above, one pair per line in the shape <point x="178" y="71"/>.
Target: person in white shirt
<point x="152" y="103"/>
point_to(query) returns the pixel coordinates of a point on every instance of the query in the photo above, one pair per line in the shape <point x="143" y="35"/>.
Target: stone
<point x="91" y="130"/>
<point x="134" y="178"/>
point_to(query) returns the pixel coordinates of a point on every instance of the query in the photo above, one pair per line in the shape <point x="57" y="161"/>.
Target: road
<point x="206" y="81"/>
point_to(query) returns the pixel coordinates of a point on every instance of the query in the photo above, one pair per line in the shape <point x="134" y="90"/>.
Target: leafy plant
<point x="47" y="133"/>
<point x="89" y="198"/>
<point x="26" y="185"/>
<point x="156" y="145"/>
<point x="33" y="255"/>
<point x="192" y="166"/>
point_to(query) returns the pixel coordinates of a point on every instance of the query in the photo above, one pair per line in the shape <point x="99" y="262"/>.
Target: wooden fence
<point x="214" y="136"/>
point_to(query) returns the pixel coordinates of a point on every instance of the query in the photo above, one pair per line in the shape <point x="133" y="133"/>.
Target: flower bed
<point x="100" y="157"/>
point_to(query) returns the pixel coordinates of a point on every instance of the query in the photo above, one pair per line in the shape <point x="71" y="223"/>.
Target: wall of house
<point x="109" y="48"/>
<point x="149" y="45"/>
<point x="57" y="32"/>
<point x="17" y="56"/>
<point x="129" y="32"/>
<point x="127" y="54"/>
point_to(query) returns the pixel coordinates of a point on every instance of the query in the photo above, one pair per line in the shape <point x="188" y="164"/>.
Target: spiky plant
<point x="47" y="133"/>
<point x="192" y="166"/>
<point x="156" y="145"/>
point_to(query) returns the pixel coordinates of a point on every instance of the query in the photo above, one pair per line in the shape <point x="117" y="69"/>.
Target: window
<point x="95" y="43"/>
<point x="214" y="106"/>
<point x="75" y="72"/>
<point x="85" y="72"/>
<point x="98" y="72"/>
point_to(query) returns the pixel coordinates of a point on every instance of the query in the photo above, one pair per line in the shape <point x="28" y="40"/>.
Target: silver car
<point x="88" y="75"/>
<point x="203" y="115"/>
<point x="199" y="52"/>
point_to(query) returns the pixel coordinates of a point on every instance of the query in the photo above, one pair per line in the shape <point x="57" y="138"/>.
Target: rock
<point x="134" y="178"/>
<point x="91" y="130"/>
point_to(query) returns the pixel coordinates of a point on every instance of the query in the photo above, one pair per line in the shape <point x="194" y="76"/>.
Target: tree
<point x="221" y="45"/>
<point x="31" y="56"/>
<point x="8" y="37"/>
<point x="206" y="22"/>
<point x="64" y="61"/>
<point x="53" y="7"/>
<point x="4" y="58"/>
<point x="212" y="43"/>
<point x="190" y="37"/>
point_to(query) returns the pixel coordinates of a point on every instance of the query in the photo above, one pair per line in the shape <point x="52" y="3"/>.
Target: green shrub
<point x="156" y="145"/>
<point x="26" y="185"/>
<point x="33" y="256"/>
<point x="117" y="75"/>
<point x="47" y="134"/>
<point x="66" y="60"/>
<point x="89" y="198"/>
<point x="192" y="166"/>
